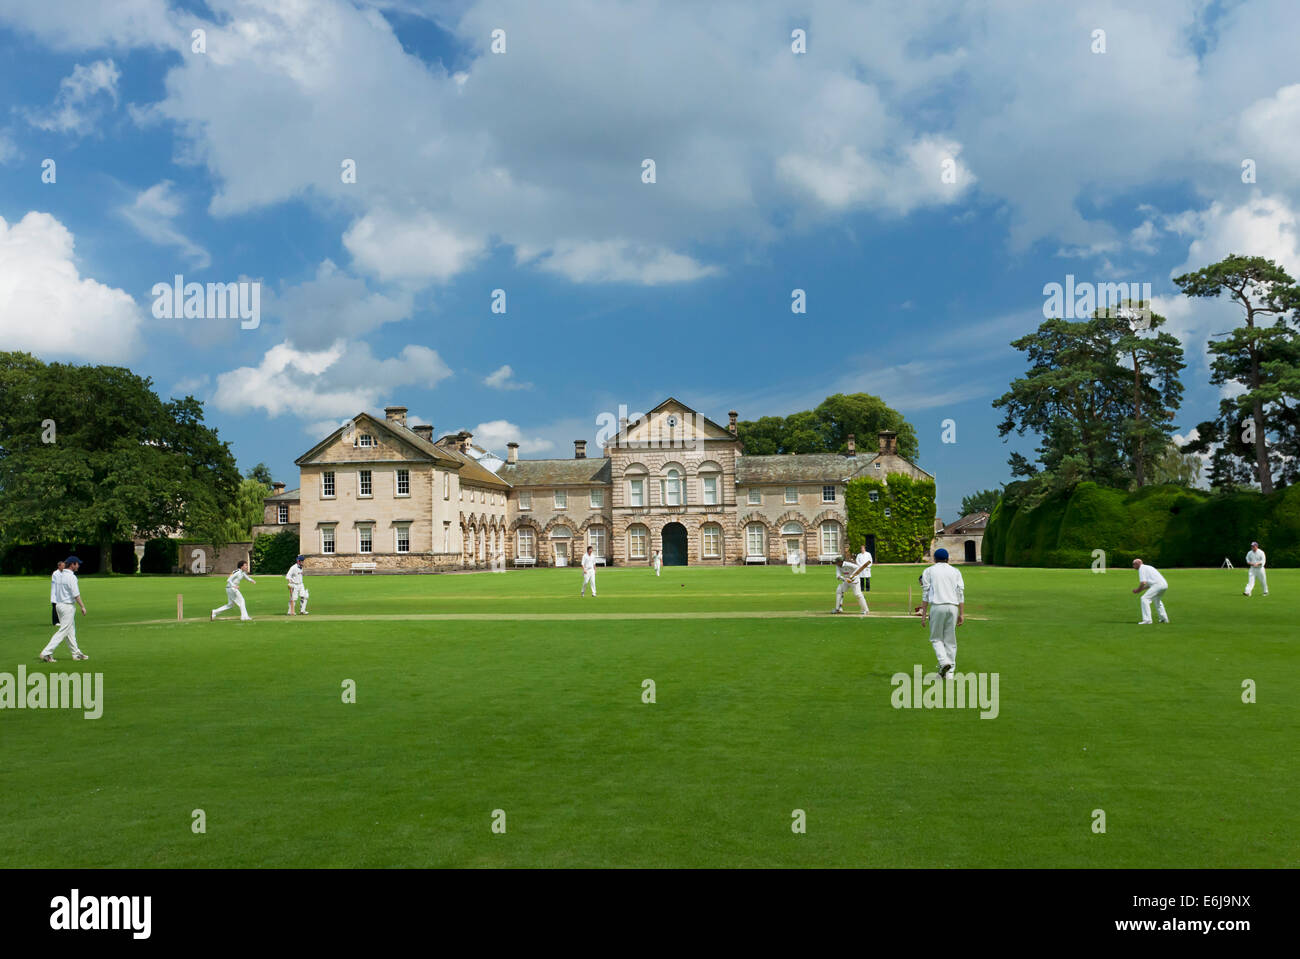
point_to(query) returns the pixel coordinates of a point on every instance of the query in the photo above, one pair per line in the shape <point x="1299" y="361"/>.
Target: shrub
<point x="160" y="556"/>
<point x="275" y="552"/>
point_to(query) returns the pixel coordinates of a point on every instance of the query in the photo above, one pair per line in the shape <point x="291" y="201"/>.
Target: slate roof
<point x="797" y="468"/>
<point x="592" y="471"/>
<point x="289" y="494"/>
<point x="974" y="523"/>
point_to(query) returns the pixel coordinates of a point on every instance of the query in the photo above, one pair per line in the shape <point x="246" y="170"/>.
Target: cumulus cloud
<point x="80" y="100"/>
<point x="337" y="381"/>
<point x="503" y="378"/>
<point x="409" y="247"/>
<point x="47" y="307"/>
<point x="153" y="213"/>
<point x="495" y="434"/>
<point x="333" y="305"/>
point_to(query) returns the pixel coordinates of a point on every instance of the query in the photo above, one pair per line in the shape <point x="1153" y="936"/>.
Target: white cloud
<point x="338" y="381"/>
<point x="153" y="213"/>
<point x="79" y="102"/>
<point x="47" y="307"/>
<point x="495" y="434"/>
<point x="93" y="24"/>
<point x="1266" y="226"/>
<point x="621" y="261"/>
<point x="409" y="247"/>
<point x="335" y="304"/>
<point x="503" y="379"/>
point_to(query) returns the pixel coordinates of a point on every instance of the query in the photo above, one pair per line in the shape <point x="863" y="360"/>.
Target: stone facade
<point x="964" y="539"/>
<point x="672" y="482"/>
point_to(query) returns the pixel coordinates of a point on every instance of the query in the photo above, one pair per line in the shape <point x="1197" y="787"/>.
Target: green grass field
<point x="483" y="692"/>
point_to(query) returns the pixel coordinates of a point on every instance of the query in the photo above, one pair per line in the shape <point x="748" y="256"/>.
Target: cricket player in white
<point x="588" y="574"/>
<point x="233" y="598"/>
<point x="864" y="559"/>
<point x="1152" y="586"/>
<point x="54" y="610"/>
<point x="1255" y="560"/>
<point x="848" y="574"/>
<point x="297" y="590"/>
<point x="943" y="604"/>
<point x="658" y="563"/>
<point x="66" y="594"/>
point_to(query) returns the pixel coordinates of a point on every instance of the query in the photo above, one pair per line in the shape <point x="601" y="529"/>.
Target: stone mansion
<point x="382" y="495"/>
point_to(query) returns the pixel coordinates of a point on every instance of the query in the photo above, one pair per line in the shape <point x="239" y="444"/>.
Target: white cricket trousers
<point x="1256" y="573"/>
<point x="233" y="601"/>
<point x="943" y="633"/>
<point x="67" y="630"/>
<point x="588" y="576"/>
<point x="658" y="568"/>
<point x="300" y="594"/>
<point x="857" y="592"/>
<point x="1154" y="595"/>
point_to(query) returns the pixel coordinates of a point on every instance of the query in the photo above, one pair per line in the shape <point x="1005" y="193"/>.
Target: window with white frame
<point x="711" y="541"/>
<point x="828" y="494"/>
<point x="364" y="485"/>
<point x="364" y="535"/>
<point x="756" y="539"/>
<point x="873" y="495"/>
<point x="403" y="483"/>
<point x="755" y="496"/>
<point x="365" y="439"/>
<point x="525" y="543"/>
<point x="710" y="489"/>
<point x="792" y="494"/>
<point x="636" y="492"/>
<point x="561" y="499"/>
<point x="830" y="539"/>
<point x="327" y="485"/>
<point x="638" y="541"/>
<point x="446" y="536"/>
<point x="598" y="501"/>
<point x="446" y="486"/>
<point x="402" y="539"/>
<point x="482" y="544"/>
<point x="596" y="539"/>
<point x="886" y="512"/>
<point x="672" y="488"/>
<point x="327" y="539"/>
<point x="282" y="513"/>
<point x="525" y="499"/>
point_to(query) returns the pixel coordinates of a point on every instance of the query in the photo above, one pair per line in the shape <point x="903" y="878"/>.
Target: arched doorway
<point x="970" y="550"/>
<point x="674" y="537"/>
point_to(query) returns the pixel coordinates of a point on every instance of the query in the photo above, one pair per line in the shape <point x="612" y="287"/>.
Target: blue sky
<point x="521" y="171"/>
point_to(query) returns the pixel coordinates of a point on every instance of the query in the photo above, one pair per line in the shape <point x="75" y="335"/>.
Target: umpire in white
<point x="943" y="605"/>
<point x="1256" y="559"/>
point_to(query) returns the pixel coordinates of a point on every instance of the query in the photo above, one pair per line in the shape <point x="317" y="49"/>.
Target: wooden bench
<point x="364" y="567"/>
<point x="599" y="560"/>
<point x="525" y="560"/>
<point x="827" y="558"/>
<point x="755" y="559"/>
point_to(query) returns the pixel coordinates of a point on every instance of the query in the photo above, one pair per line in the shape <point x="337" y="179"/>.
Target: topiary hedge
<point x="902" y="536"/>
<point x="161" y="555"/>
<point x="1166" y="525"/>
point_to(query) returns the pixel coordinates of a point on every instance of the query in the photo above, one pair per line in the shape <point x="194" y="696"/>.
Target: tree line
<point x="1101" y="394"/>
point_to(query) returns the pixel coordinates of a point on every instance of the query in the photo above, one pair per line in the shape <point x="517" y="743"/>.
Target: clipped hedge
<point x="1165" y="525"/>
<point x="275" y="552"/>
<point x="902" y="536"/>
<point x="160" y="556"/>
<point x="34" y="559"/>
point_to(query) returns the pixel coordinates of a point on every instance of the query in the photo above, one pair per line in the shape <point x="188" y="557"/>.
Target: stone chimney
<point x="395" y="414"/>
<point x="277" y="489"/>
<point x="462" y="440"/>
<point x="888" y="442"/>
<point x="579" y="449"/>
<point x="512" y="452"/>
<point x="731" y="427"/>
<point x="853" y="445"/>
<point x="424" y="431"/>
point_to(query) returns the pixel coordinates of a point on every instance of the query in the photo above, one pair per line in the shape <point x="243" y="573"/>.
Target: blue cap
<point x="70" y="560"/>
<point x="941" y="555"/>
<point x="301" y="558"/>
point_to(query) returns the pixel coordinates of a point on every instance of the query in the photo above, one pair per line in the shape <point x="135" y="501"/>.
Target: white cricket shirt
<point x="1255" y="556"/>
<point x="65" y="586"/>
<point x="233" y="580"/>
<point x="942" y="585"/>
<point x="1149" y="575"/>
